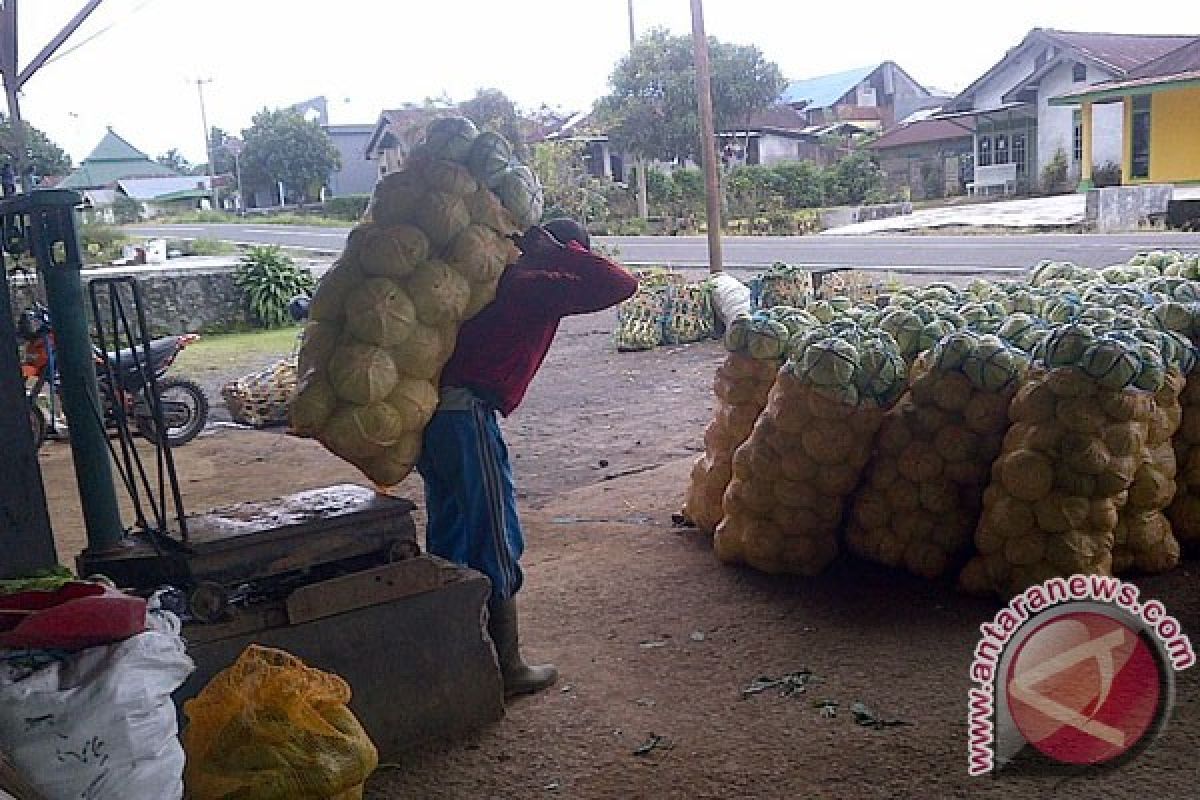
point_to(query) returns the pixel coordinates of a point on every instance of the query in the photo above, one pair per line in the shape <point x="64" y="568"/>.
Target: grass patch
<point x="222" y="352"/>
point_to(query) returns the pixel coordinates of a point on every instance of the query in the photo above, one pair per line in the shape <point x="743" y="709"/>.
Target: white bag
<point x="100" y="724"/>
<point x="730" y="297"/>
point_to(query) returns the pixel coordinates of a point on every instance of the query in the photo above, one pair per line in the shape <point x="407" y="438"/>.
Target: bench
<point x="1003" y="176"/>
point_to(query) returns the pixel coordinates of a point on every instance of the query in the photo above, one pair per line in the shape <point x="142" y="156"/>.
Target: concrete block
<point x="414" y="652"/>
<point x="1125" y="208"/>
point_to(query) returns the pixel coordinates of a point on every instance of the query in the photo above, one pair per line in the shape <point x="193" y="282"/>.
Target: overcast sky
<point x="137" y="72"/>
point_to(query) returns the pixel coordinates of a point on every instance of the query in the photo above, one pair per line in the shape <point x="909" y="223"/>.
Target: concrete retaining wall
<point x="837" y="217"/>
<point x="200" y="298"/>
<point x="1125" y="208"/>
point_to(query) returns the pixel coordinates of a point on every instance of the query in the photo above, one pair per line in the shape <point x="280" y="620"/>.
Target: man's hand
<point x="537" y="242"/>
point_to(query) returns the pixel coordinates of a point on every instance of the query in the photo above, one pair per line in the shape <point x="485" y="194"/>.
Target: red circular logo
<point x="1084" y="688"/>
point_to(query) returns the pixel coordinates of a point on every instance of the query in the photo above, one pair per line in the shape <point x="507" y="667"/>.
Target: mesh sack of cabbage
<point x="640" y="319"/>
<point x="1143" y="540"/>
<point x="858" y="285"/>
<point x="689" y="314"/>
<point x="783" y="507"/>
<point x="1079" y="429"/>
<point x="261" y="399"/>
<point x="385" y="317"/>
<point x="781" y="285"/>
<point x="920" y="500"/>
<point x="1184" y="511"/>
<point x="756" y="347"/>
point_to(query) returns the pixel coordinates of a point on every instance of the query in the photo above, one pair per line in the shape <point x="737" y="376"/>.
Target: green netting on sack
<point x="781" y="285"/>
<point x="640" y="319"/>
<point x="689" y="315"/>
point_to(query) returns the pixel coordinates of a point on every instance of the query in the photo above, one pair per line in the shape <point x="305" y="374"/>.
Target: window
<point x="1018" y="152"/>
<point x="985" y="151"/>
<point x="1001" y="151"/>
<point x="1079" y="72"/>
<point x="1077" y="141"/>
<point x="1140" y="168"/>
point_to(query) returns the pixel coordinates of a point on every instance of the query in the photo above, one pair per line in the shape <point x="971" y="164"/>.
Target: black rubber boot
<point x="519" y="677"/>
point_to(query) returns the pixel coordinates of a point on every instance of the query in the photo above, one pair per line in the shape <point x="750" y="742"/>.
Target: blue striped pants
<point x="470" y="499"/>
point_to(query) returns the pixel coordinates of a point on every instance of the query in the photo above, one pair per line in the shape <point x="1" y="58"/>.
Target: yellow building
<point x="1161" y="99"/>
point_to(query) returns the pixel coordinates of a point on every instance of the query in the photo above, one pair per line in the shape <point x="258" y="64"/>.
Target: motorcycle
<point x="184" y="404"/>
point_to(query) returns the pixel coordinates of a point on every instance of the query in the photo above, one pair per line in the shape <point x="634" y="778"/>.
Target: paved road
<point x="972" y="253"/>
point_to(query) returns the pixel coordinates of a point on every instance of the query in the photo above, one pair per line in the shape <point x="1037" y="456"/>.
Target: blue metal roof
<point x="824" y="91"/>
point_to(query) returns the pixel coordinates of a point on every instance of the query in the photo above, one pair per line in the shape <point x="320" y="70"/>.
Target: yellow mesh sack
<point x="271" y="728"/>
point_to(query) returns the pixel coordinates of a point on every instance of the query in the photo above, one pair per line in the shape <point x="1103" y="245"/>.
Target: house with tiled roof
<point x="112" y="160"/>
<point x="1159" y="105"/>
<point x="1018" y="132"/>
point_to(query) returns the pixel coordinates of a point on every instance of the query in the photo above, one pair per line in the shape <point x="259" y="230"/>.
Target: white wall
<point x="1056" y="124"/>
<point x="775" y="149"/>
<point x="990" y="93"/>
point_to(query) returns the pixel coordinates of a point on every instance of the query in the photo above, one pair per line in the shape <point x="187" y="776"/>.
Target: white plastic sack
<point x="100" y="724"/>
<point x="730" y="297"/>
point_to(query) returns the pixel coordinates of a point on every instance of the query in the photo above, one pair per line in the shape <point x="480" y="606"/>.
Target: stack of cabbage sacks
<point x="1080" y="423"/>
<point x="1184" y="511"/>
<point x="923" y="490"/>
<point x="783" y="508"/>
<point x="386" y="315"/>
<point x="1143" y="541"/>
<point x="757" y="345"/>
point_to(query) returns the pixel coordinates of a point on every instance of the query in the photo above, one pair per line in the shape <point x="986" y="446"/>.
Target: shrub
<point x="349" y="207"/>
<point x="270" y="280"/>
<point x="101" y="243"/>
<point x="126" y="210"/>
<point x="1107" y="174"/>
<point x="1054" y="174"/>
<point x="800" y="184"/>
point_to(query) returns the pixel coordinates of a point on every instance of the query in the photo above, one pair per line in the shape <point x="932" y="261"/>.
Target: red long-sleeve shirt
<point x="500" y="349"/>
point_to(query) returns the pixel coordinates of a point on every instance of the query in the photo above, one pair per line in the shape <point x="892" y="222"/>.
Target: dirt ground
<point x="654" y="637"/>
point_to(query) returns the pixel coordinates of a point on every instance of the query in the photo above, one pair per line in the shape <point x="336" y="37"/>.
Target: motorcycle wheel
<point x="37" y="421"/>
<point x="185" y="412"/>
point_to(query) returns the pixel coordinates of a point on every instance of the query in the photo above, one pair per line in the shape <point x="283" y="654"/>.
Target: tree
<point x="223" y="163"/>
<point x="173" y="159"/>
<point x="651" y="108"/>
<point x="492" y="110"/>
<point x="569" y="189"/>
<point x="282" y="146"/>
<point x="43" y="155"/>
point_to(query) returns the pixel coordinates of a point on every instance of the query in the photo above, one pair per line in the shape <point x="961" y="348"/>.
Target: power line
<point x="100" y="32"/>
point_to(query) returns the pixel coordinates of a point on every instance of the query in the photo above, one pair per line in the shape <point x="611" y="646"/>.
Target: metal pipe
<point x="55" y="243"/>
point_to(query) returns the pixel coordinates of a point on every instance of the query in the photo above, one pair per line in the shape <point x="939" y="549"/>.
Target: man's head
<point x="567" y="231"/>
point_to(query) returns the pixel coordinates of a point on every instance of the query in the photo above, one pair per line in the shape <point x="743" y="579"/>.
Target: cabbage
<point x="482" y="294"/>
<point x="395" y="463"/>
<point x="380" y="312"/>
<point x="392" y="251"/>
<point x="420" y="356"/>
<point x="450" y="177"/>
<point x="1066" y="345"/>
<point x="489" y="158"/>
<point x="415" y="401"/>
<point x="346" y="434"/>
<point x="449" y="137"/>
<point x="329" y="300"/>
<point x="953" y="350"/>
<point x="1112" y="363"/>
<point x="487" y="210"/>
<point x="442" y="216"/>
<point x="521" y="194"/>
<point x="439" y="293"/>
<point x="362" y="373"/>
<point x="829" y="362"/>
<point x="396" y="197"/>
<point x="479" y="254"/>
<point x="311" y="406"/>
<point x="319" y="340"/>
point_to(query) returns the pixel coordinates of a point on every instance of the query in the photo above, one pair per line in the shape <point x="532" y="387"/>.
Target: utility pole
<point x="212" y="184"/>
<point x="639" y="161"/>
<point x="14" y="79"/>
<point x="707" y="137"/>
